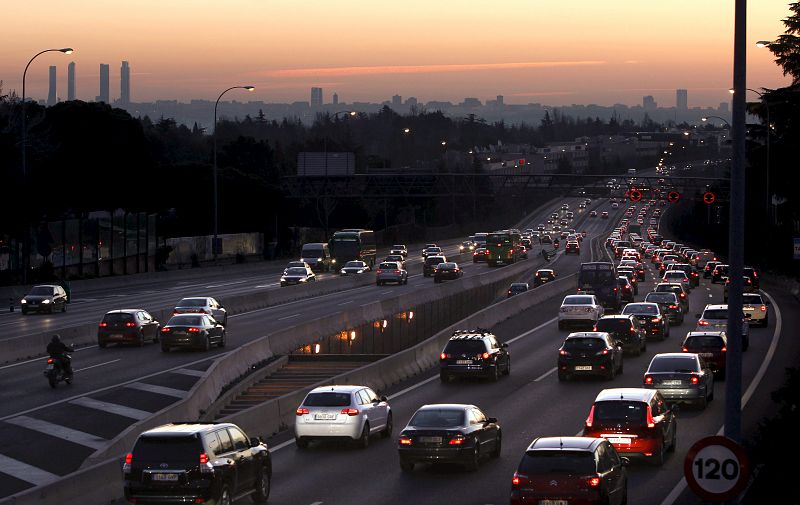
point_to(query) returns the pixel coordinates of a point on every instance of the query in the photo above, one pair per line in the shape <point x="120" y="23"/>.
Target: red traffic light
<point x="709" y="197"/>
<point x="673" y="196"/>
<point x="635" y="195"/>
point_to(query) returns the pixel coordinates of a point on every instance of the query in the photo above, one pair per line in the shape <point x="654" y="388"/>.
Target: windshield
<point x="388" y="266"/>
<point x="41" y="291"/>
<point x="752" y="299"/>
<point x="167" y="449"/>
<point x="117" y="317"/>
<point x="660" y="298"/>
<point x="312" y="250"/>
<point x="665" y="364"/>
<point x="703" y="341"/>
<point x="437" y="418"/>
<point x="186" y="321"/>
<point x="614" y="325"/>
<point x="578" y="344"/>
<point x="640" y="309"/>
<point x="715" y="314"/>
<point x="468" y="347"/>
<point x="355" y="264"/>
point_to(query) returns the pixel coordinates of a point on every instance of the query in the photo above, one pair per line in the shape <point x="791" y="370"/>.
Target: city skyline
<point x="428" y="51"/>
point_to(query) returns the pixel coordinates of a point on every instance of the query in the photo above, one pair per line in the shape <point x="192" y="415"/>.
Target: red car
<point x="584" y="470"/>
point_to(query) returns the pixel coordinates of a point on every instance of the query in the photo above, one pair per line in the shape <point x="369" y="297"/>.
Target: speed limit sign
<point x="716" y="468"/>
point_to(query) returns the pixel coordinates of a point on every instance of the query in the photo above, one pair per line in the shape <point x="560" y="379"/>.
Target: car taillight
<point x="404" y="440"/>
<point x="126" y="468"/>
<point x="563" y="352"/>
<point x="193" y="330"/>
<point x="175" y="312"/>
<point x="695" y="379"/>
<point x="50" y="361"/>
<point x="203" y="458"/>
<point x="130" y="325"/>
<point x="724" y="349"/>
<point x="379" y="271"/>
<point x="103" y="325"/>
<point x="763" y="308"/>
<point x="616" y="289"/>
<point x="702" y="322"/>
<point x="673" y="307"/>
<point x="655" y="320"/>
<point x="443" y="356"/>
<point x="301" y="411"/>
<point x="648" y="379"/>
<point x="603" y="352"/>
<point x="350" y="412"/>
<point x="166" y="330"/>
<point x="651" y="423"/>
<point x="684" y="349"/>
<point x="593" y="481"/>
<point x="683" y="295"/>
<point x="485" y="355"/>
<point x="457" y="440"/>
<point x="205" y="464"/>
<point x="590" y="419"/>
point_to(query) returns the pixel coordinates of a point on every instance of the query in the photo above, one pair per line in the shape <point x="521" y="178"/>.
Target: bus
<point x="502" y="247"/>
<point x="599" y="278"/>
<point x="353" y="244"/>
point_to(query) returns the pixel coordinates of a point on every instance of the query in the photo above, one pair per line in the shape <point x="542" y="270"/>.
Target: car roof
<point x="206" y="298"/>
<point x="46" y="286"/>
<point x="124" y="311"/>
<point x="587" y="444"/>
<point x="337" y="388"/>
<point x="721" y="306"/>
<point x="587" y="334"/>
<point x="717" y="333"/>
<point x="545" y="270"/>
<point x="454" y="406"/>
<point x="630" y="394"/>
<point x="674" y="355"/>
<point x="627" y="317"/>
<point x="185" y="429"/>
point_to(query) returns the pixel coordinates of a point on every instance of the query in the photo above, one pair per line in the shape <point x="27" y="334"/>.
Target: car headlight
<point x="333" y="261"/>
<point x="283" y="279"/>
<point x="342" y="271"/>
<point x="304" y="279"/>
<point x="360" y="271"/>
<point x="46" y="301"/>
<point x="23" y="301"/>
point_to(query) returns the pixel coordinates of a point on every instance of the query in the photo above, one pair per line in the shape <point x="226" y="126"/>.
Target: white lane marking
<point x="413" y="387"/>
<point x="58" y="431"/>
<point x="317" y="503"/>
<point x="534" y="330"/>
<point x="344" y="303"/>
<point x="776" y="335"/>
<point x="113" y="408"/>
<point x="25" y="472"/>
<point x="267" y="285"/>
<point x="288" y="317"/>
<point x="43" y="358"/>
<point x="544" y="375"/>
<point x="99" y="364"/>
<point x="227" y="284"/>
<point x="161" y="390"/>
<point x="303" y="300"/>
<point x="188" y="371"/>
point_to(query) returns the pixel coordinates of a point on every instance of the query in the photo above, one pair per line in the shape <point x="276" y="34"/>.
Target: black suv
<point x="196" y="463"/>
<point x="476" y="353"/>
<point x="625" y="329"/>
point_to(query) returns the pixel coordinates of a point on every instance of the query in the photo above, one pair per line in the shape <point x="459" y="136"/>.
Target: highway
<point x="117" y="386"/>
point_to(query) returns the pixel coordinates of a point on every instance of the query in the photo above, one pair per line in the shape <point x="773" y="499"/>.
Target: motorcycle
<point x="55" y="372"/>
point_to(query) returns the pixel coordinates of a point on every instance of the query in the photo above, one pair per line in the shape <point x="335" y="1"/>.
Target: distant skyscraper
<point x="682" y="98"/>
<point x="649" y="103"/>
<point x="316" y="97"/>
<point x="500" y="99"/>
<point x="411" y="102"/>
<point x="335" y="99"/>
<point x="71" y="81"/>
<point x="471" y="102"/>
<point x="103" y="96"/>
<point x="52" y="96"/>
<point x="397" y="101"/>
<point x="125" y="83"/>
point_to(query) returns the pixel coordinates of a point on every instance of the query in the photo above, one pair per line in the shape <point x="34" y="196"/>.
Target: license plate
<point x="115" y="335"/>
<point x="464" y="362"/>
<point x="553" y="502"/>
<point x="165" y="477"/>
<point x="583" y="367"/>
<point x="707" y="354"/>
<point x="620" y="440"/>
<point x="325" y="416"/>
<point x="430" y="440"/>
<point x="672" y="383"/>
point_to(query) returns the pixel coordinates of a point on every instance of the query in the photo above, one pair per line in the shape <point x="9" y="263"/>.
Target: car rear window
<point x="715" y="314"/>
<point x="660" y="297"/>
<point x="186" y="321"/>
<point x="387" y="266"/>
<point x="584" y="344"/>
<point x="433" y="260"/>
<point x="578" y="300"/>
<point x="639" y="308"/>
<point x="613" y="325"/>
<point x="167" y="449"/>
<point x="673" y="364"/>
<point x="192" y="302"/>
<point x="117" y="317"/>
<point x="437" y="418"/>
<point x="620" y="411"/>
<point x="327" y="399"/>
<point x="752" y="299"/>
<point x="544" y="462"/>
<point x="703" y="341"/>
<point x="465" y="347"/>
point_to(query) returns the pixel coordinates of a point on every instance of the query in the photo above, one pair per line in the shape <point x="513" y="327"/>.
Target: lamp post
<point x="705" y="119"/>
<point x="25" y="240"/>
<point x="214" y="246"/>
<point x="325" y="137"/>
<point x="769" y="128"/>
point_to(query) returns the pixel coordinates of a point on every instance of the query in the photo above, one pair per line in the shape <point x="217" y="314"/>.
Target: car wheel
<point x="164" y="347"/>
<point x="301" y="442"/>
<point x="52" y="380"/>
<point x="387" y="430"/>
<point x="498" y="446"/>
<point x="140" y="339"/>
<point x="224" y="496"/>
<point x="621" y="366"/>
<point x="24" y="312"/>
<point x="674" y="441"/>
<point x="562" y="377"/>
<point x="222" y="339"/>
<point x="444" y="377"/>
<point x="474" y="459"/>
<point x="206" y="343"/>
<point x="702" y="403"/>
<point x="262" y="487"/>
<point x="363" y="440"/>
<point x="612" y="372"/>
<point x="64" y="307"/>
<point x="508" y="367"/>
<point x="406" y="466"/>
<point x="156" y="334"/>
<point x="765" y="322"/>
<point x="658" y="458"/>
<point x="560" y="325"/>
<point x="494" y="375"/>
<point x="101" y="344"/>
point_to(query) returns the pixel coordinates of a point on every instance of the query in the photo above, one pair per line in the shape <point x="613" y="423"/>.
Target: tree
<point x="787" y="48"/>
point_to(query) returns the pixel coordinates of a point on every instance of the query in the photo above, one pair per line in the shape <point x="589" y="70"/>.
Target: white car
<point x="754" y="306"/>
<point x="579" y="309"/>
<point x="354" y="267"/>
<point x="677" y="277"/>
<point x="349" y="412"/>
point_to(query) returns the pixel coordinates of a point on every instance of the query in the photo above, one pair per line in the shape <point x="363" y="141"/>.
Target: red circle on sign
<point x="635" y="195"/>
<point x="725" y="444"/>
<point x="709" y="197"/>
<point x="673" y="196"/>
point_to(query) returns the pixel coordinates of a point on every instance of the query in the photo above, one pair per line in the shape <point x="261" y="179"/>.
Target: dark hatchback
<point x="197" y="331"/>
<point x="212" y="463"/>
<point x="570" y="470"/>
<point x="517" y="288"/>
<point x="625" y="329"/>
<point x="449" y="433"/>
<point x="669" y="305"/>
<point x="589" y="353"/>
<point x="430" y="263"/>
<point x="681" y="377"/>
<point x="711" y="346"/>
<point x="447" y="271"/>
<point x="719" y="272"/>
<point x="543" y="276"/>
<point x="475" y="353"/>
<point x="625" y="289"/>
<point x="650" y="317"/>
<point x="127" y="326"/>
<point x="709" y="268"/>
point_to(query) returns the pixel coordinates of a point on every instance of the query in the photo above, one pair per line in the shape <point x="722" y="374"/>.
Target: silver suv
<point x="715" y="318"/>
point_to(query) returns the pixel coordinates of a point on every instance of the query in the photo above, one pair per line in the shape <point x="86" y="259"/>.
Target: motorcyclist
<point x="58" y="350"/>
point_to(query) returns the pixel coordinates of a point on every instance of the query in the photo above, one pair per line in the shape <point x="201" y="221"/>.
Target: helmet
<point x="56" y="338"/>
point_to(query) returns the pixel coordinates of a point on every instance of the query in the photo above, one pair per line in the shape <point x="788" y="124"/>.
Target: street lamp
<point x="705" y="119"/>
<point x="764" y="43"/>
<point x="214" y="247"/>
<point x="25" y="254"/>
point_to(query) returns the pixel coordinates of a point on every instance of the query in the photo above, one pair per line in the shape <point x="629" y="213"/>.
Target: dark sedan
<point x="198" y="331"/>
<point x="669" y="305"/>
<point x="480" y="254"/>
<point x="650" y="317"/>
<point x="449" y="433"/>
<point x="625" y="289"/>
<point x="681" y="377"/>
<point x="516" y="288"/>
<point x="589" y="353"/>
<point x="625" y="329"/>
<point x="447" y="271"/>
<point x="297" y="275"/>
<point x="543" y="276"/>
<point x="127" y="326"/>
<point x="45" y="298"/>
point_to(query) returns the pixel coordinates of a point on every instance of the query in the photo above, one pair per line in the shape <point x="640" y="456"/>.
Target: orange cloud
<point x="421" y="69"/>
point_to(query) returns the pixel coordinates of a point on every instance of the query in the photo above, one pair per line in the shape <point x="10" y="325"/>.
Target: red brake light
<point x="695" y="379"/>
<point x="684" y="349"/>
<point x="166" y="330"/>
<point x="673" y="307"/>
<point x="379" y="271"/>
<point x="651" y="423"/>
<point x="648" y="379"/>
<point x="457" y="440"/>
<point x="763" y="308"/>
<point x="130" y="325"/>
<point x="593" y="481"/>
<point x="103" y="325"/>
<point x="129" y="458"/>
<point x="724" y="349"/>
<point x="50" y="361"/>
<point x="655" y="320"/>
<point x="485" y="355"/>
<point x="443" y="356"/>
<point x="604" y="352"/>
<point x="702" y="322"/>
<point x="203" y="458"/>
<point x="590" y="419"/>
<point x="397" y="271"/>
<point x="350" y="412"/>
<point x="193" y="330"/>
<point x="517" y="479"/>
<point x="404" y="440"/>
<point x="563" y="352"/>
<point x="300" y="411"/>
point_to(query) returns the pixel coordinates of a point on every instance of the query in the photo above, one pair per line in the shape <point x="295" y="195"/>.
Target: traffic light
<point x="709" y="197"/>
<point x="673" y="196"/>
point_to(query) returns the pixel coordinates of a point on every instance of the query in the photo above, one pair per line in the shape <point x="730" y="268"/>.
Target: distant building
<point x="411" y="102"/>
<point x="397" y="101"/>
<point x="316" y="97"/>
<point x="649" y="103"/>
<point x="500" y="100"/>
<point x="103" y="96"/>
<point x="52" y="96"/>
<point x="125" y="83"/>
<point x="71" y="81"/>
<point x="471" y="102"/>
<point x="682" y="99"/>
<point x="335" y="99"/>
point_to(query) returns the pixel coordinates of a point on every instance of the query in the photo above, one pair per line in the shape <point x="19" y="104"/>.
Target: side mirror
<point x="491" y="419"/>
<point x="384" y="399"/>
<point x="503" y="345"/>
<point x="255" y="442"/>
<point x="625" y="461"/>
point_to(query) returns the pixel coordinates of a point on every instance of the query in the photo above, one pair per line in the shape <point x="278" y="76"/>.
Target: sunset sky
<point x="546" y="51"/>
